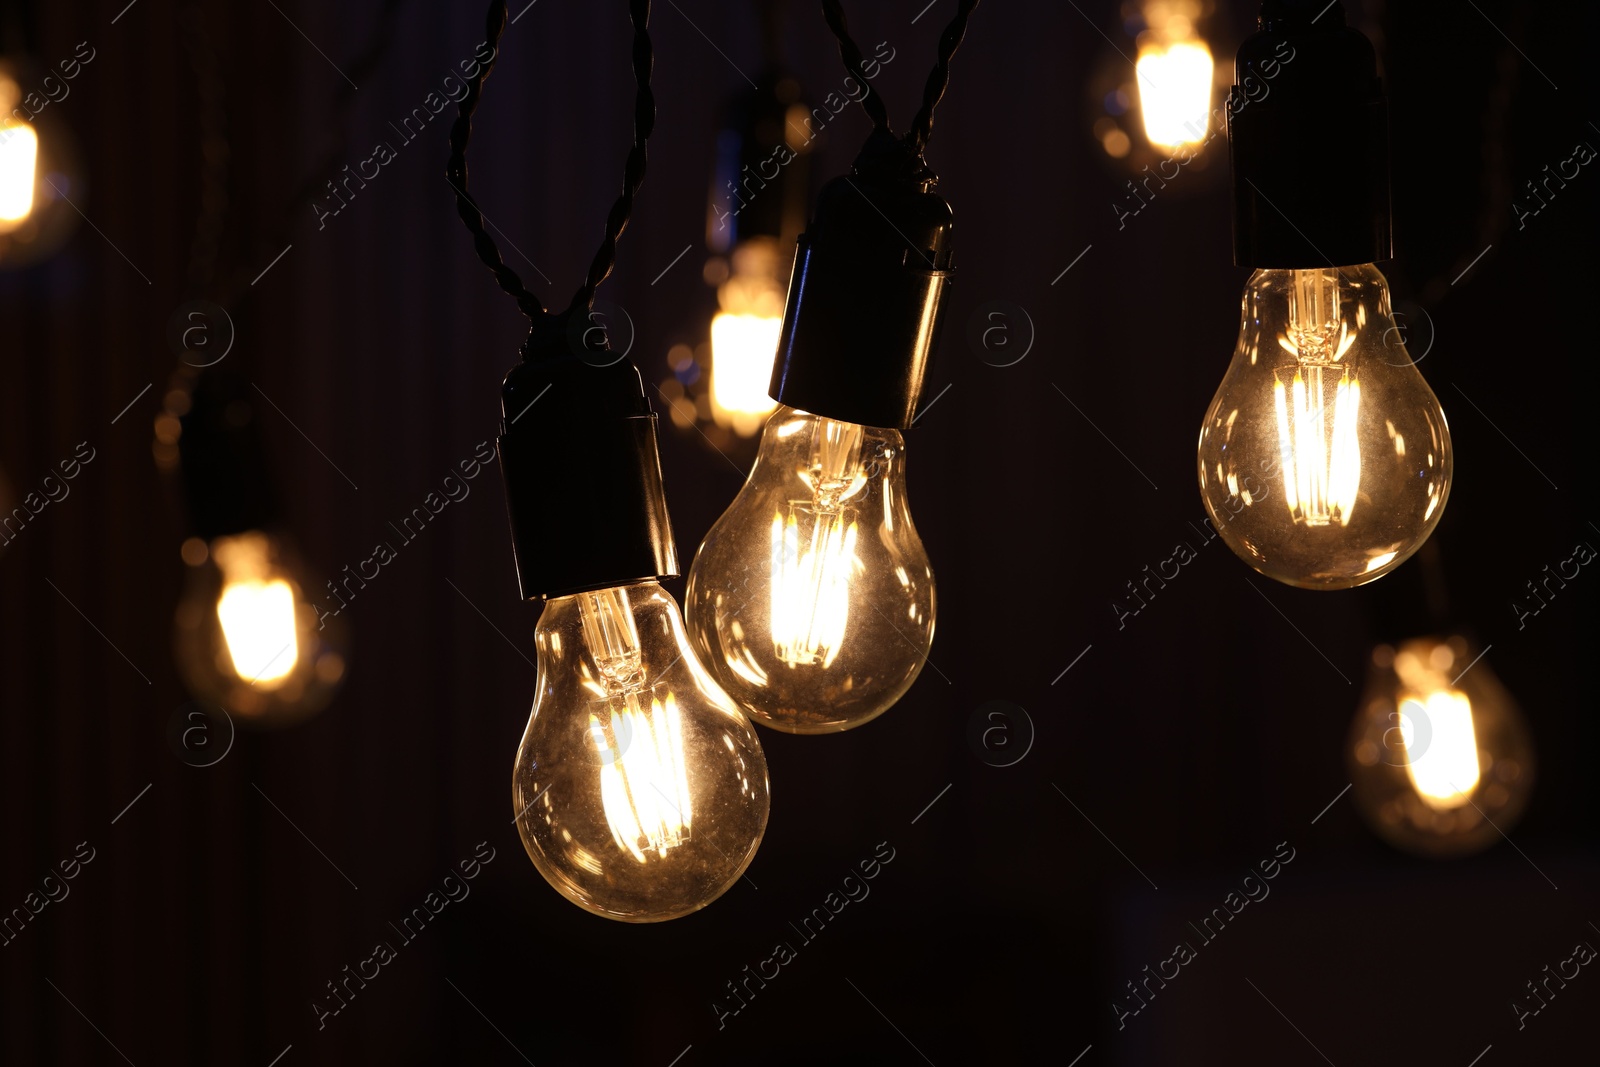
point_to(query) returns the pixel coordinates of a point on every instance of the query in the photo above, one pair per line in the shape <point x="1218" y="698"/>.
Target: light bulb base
<point x="1308" y="139"/>
<point x="582" y="471"/>
<point x="866" y="299"/>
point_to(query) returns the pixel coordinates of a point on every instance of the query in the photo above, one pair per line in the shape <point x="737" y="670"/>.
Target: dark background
<point x="1197" y="738"/>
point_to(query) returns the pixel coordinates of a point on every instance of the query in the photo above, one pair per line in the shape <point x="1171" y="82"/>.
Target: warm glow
<point x="742" y="349"/>
<point x="744" y="337"/>
<point x="1317" y="446"/>
<point x="1317" y="443"/>
<point x="19" y="155"/>
<point x="1175" y="92"/>
<point x="258" y="624"/>
<point x="256" y="610"/>
<point x="1446" y="771"/>
<point x="812" y="556"/>
<point x="644" y="782"/>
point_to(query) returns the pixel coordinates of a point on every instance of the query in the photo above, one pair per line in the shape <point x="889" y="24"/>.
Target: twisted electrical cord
<point x="644" y="121"/>
<point x="871" y="102"/>
<point x="605" y="258"/>
<point x="938" y="78"/>
<point x="456" y="174"/>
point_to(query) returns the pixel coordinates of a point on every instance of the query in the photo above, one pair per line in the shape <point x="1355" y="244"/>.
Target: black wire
<point x="456" y="174"/>
<point x="644" y="121"/>
<point x="605" y="258"/>
<point x="871" y="102"/>
<point x="938" y="78"/>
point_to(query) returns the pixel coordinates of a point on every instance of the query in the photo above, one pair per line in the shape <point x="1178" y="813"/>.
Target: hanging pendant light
<point x="1324" y="459"/>
<point x="639" y="790"/>
<point x="812" y="597"/>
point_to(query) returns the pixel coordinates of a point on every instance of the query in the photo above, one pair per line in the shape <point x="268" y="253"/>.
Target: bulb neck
<point x="867" y="295"/>
<point x="582" y="469"/>
<point x="1308" y="139"/>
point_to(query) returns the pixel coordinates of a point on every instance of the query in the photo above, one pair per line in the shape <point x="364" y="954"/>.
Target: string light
<point x="640" y="791"/>
<point x="812" y="597"/>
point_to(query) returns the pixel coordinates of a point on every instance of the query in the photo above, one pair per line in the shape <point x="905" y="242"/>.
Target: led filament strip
<point x="1324" y="459"/>
<point x="812" y="599"/>
<point x="639" y="790"/>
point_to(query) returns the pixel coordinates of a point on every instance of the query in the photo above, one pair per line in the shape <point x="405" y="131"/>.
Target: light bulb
<point x="248" y="639"/>
<point x="811" y="599"/>
<point x="1325" y="458"/>
<point x="1439" y="755"/>
<point x="744" y="337"/>
<point x="1174" y="73"/>
<point x="19" y="156"/>
<point x="39" y="169"/>
<point x="640" y="791"/>
<point x="1175" y="93"/>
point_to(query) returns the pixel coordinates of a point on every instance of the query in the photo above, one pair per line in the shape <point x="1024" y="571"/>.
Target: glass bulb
<point x="811" y="599"/>
<point x="1324" y="458"/>
<point x="640" y="791"/>
<point x="1439" y="755"/>
<point x="248" y="640"/>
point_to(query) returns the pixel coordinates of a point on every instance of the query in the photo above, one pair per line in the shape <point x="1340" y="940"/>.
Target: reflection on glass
<point x="1324" y="459"/>
<point x="640" y="791"/>
<point x="248" y="639"/>
<point x="1439" y="754"/>
<point x="812" y="599"/>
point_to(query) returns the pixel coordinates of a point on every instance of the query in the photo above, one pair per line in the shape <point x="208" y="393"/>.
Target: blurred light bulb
<point x="640" y="791"/>
<point x="19" y="156"/>
<point x="39" y="171"/>
<point x="1439" y="754"/>
<point x="248" y="640"/>
<point x="258" y="626"/>
<point x="1174" y="73"/>
<point x="1324" y="459"/>
<point x="1445" y="771"/>
<point x="1175" y="92"/>
<point x="812" y="599"/>
<point x="744" y="337"/>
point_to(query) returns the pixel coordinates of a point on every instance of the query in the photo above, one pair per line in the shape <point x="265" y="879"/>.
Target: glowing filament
<point x="1446" y="771"/>
<point x="1175" y="92"/>
<point x="258" y="625"/>
<point x="19" y="154"/>
<point x="256" y="610"/>
<point x="644" y="783"/>
<point x="1317" y="446"/>
<point x="811" y="583"/>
